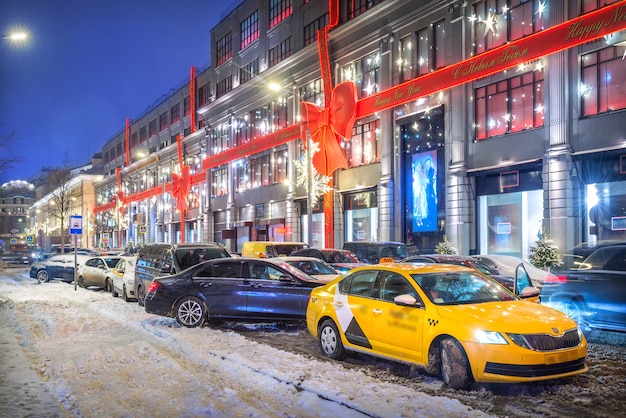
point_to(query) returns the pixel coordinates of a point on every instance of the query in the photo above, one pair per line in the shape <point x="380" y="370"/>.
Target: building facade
<point x="493" y="156"/>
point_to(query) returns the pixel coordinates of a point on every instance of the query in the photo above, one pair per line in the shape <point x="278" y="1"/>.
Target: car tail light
<point x="154" y="286"/>
<point x="555" y="279"/>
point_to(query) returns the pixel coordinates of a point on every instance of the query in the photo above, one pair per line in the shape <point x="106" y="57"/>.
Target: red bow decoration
<point x="181" y="183"/>
<point x="328" y="125"/>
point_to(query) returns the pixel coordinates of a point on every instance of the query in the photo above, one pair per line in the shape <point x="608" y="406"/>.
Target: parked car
<point x="124" y="278"/>
<point x="519" y="283"/>
<point x="507" y="264"/>
<point x="594" y="292"/>
<point x="241" y="288"/>
<point x="474" y="330"/>
<point x="372" y="251"/>
<point x="341" y="260"/>
<point x="165" y="259"/>
<point x="313" y="266"/>
<point x="57" y="267"/>
<point x="97" y="271"/>
<point x="268" y="249"/>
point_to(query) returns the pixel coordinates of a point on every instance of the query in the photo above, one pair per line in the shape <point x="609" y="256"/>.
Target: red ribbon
<point x="181" y="184"/>
<point x="328" y="125"/>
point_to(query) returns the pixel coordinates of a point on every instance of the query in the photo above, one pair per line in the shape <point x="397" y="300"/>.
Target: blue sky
<point x="90" y="64"/>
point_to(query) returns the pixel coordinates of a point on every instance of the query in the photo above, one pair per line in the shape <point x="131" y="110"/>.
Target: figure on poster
<point x="420" y="209"/>
<point x="431" y="191"/>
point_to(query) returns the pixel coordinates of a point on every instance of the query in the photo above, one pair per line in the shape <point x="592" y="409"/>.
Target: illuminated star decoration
<point x="541" y="8"/>
<point x="539" y="109"/>
<point x="491" y="25"/>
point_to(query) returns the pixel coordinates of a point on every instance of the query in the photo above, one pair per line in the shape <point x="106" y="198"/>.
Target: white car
<point x="506" y="265"/>
<point x="124" y="278"/>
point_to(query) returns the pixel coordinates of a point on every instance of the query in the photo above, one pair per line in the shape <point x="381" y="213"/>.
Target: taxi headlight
<point x="489" y="337"/>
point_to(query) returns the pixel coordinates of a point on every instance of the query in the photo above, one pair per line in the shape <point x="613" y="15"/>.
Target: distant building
<point x="16" y="197"/>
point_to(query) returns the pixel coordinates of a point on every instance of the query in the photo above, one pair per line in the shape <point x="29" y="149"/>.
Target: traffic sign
<point x="76" y="225"/>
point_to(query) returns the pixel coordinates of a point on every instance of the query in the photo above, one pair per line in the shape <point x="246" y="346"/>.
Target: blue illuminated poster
<point x="424" y="191"/>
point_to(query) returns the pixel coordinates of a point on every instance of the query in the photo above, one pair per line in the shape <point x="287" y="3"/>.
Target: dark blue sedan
<point x="244" y="289"/>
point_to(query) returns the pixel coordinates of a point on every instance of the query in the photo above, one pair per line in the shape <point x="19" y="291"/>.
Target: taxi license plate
<point x="558" y="358"/>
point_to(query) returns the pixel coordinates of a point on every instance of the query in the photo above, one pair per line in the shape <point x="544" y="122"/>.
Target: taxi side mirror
<point x="407" y="300"/>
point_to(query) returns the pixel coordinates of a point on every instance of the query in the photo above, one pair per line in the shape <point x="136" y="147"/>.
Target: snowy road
<point x="85" y="353"/>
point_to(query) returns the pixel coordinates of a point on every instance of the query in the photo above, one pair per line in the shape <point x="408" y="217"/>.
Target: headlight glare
<point x="489" y="337"/>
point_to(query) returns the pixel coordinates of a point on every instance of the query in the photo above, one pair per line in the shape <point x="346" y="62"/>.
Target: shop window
<point x="497" y="22"/>
<point x="280" y="113"/>
<point x="186" y="106"/>
<point x="175" y="113"/>
<point x="261" y="122"/>
<point x="510" y="105"/>
<point x="363" y="147"/>
<point x="405" y="64"/>
<point x="279" y="52"/>
<point x="224" y="86"/>
<point x="313" y="92"/>
<point x="242" y="133"/>
<point x="279" y="11"/>
<point x="260" y="168"/>
<point x="219" y="138"/>
<point x="248" y="71"/>
<point x="204" y="94"/>
<point x="224" y="49"/>
<point x="242" y="175"/>
<point x="310" y="30"/>
<point x="279" y="165"/>
<point x="365" y="73"/>
<point x="361" y="216"/>
<point x="219" y="181"/>
<point x="249" y="31"/>
<point x="591" y="5"/>
<point x="603" y="81"/>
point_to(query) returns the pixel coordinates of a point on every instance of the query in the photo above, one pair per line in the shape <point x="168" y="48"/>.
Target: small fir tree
<point x="445" y="247"/>
<point x="545" y="253"/>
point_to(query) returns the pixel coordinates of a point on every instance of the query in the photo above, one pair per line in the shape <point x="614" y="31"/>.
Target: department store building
<point x="488" y="122"/>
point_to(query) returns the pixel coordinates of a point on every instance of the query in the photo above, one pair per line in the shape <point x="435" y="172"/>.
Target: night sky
<point x="89" y="65"/>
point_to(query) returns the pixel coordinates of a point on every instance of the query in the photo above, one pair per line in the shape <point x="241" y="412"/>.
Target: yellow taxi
<point x="452" y="320"/>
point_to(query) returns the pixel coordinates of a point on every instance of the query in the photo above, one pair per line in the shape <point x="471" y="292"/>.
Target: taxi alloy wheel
<point x="190" y="312"/>
<point x="330" y="340"/>
<point x="114" y="292"/>
<point x="454" y="365"/>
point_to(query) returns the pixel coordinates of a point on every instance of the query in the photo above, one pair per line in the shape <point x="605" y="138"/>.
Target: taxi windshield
<point x="454" y="288"/>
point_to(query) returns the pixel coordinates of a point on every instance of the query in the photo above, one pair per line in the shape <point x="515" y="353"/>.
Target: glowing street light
<point x="16" y="37"/>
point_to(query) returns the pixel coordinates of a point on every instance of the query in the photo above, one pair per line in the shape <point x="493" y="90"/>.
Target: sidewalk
<point x="22" y="391"/>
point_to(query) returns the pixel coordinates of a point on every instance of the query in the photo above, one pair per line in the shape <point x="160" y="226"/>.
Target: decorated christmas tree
<point x="445" y="247"/>
<point x="545" y="253"/>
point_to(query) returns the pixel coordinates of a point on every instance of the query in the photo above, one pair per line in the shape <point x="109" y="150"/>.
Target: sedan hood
<point x="510" y="316"/>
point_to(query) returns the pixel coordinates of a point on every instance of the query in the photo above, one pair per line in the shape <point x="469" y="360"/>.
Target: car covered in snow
<point x="450" y="320"/>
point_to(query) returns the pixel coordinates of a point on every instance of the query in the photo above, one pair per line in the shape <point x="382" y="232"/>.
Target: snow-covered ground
<point x="99" y="356"/>
<point x="77" y="352"/>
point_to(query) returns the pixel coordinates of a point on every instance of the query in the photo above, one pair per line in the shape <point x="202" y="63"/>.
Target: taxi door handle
<point x="339" y="304"/>
<point x="377" y="311"/>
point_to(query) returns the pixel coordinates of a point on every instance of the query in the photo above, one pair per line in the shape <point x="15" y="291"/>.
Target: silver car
<point x="97" y="271"/>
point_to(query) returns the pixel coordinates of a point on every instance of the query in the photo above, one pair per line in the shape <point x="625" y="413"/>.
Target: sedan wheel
<point x="113" y="292"/>
<point x="330" y="340"/>
<point x="141" y="295"/>
<point x="81" y="282"/>
<point x="42" y="276"/>
<point x="190" y="312"/>
<point x="454" y="366"/>
<point x="575" y="311"/>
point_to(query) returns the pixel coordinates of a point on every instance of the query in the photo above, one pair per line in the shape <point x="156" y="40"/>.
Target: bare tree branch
<point x="7" y="155"/>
